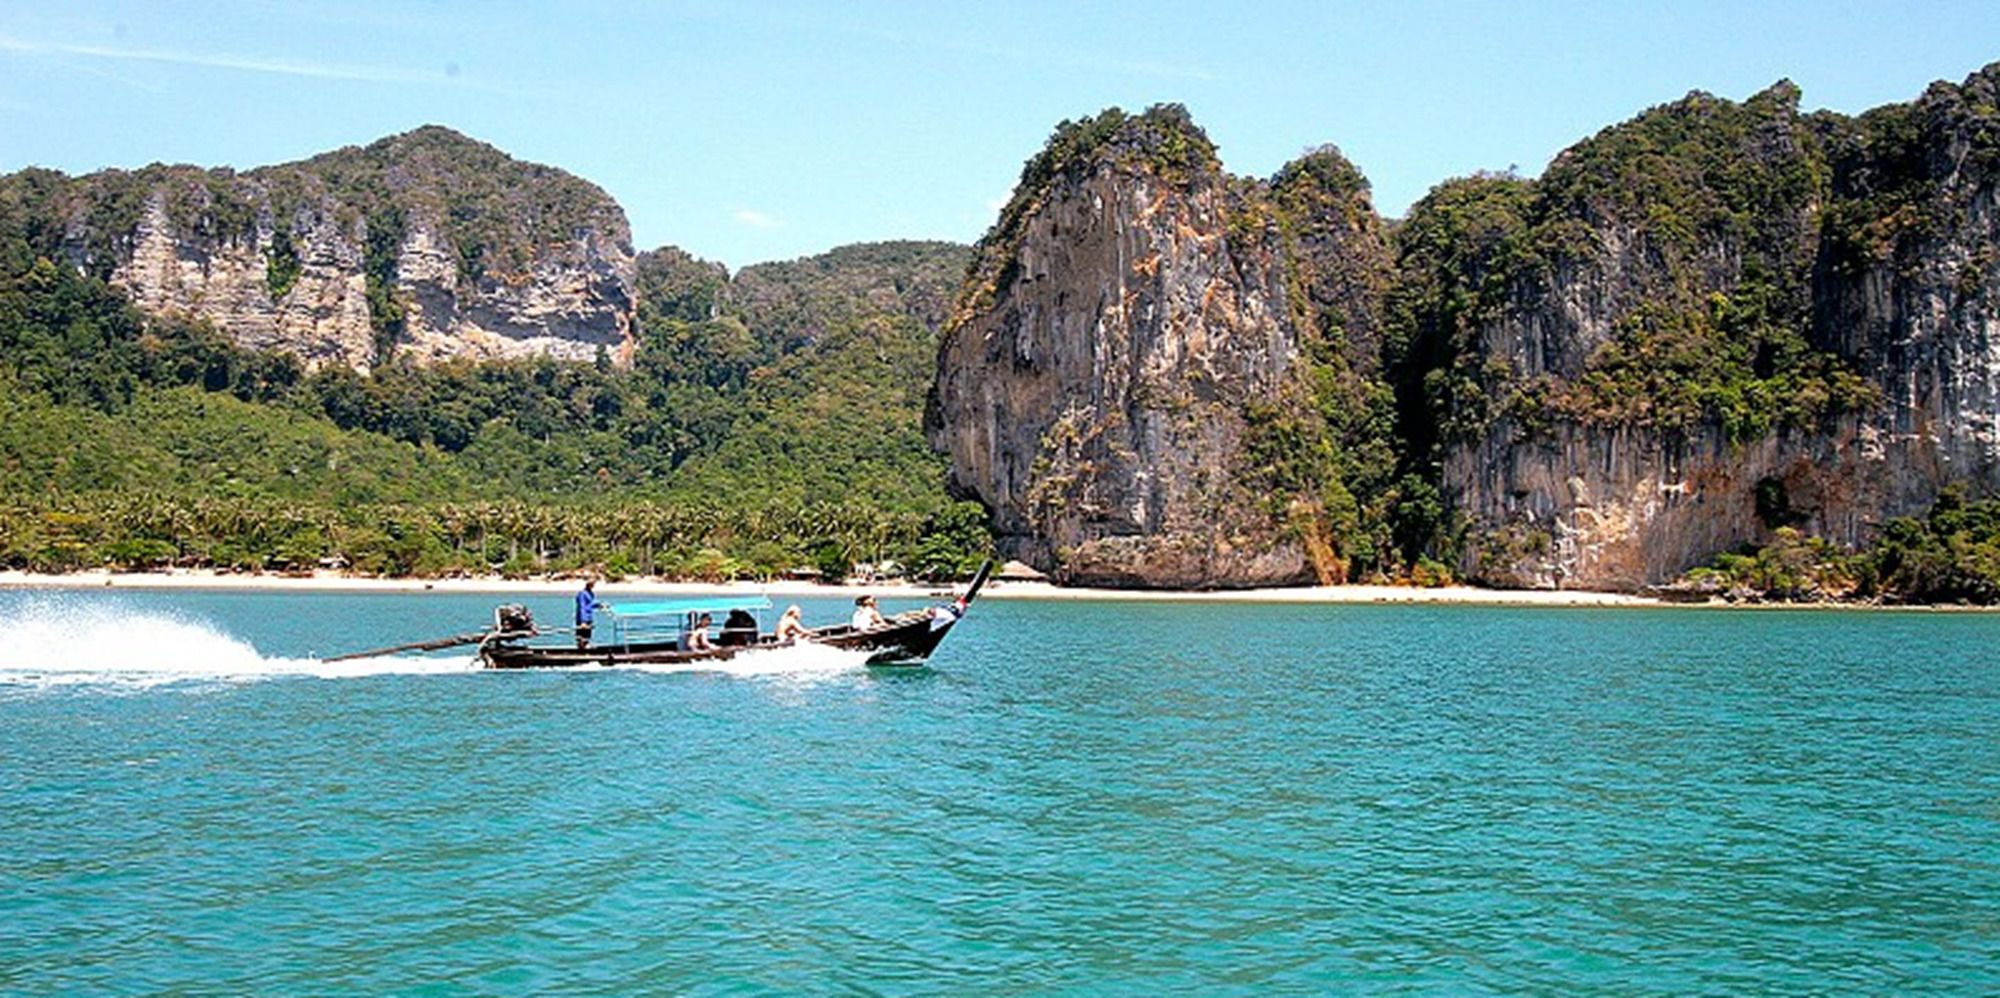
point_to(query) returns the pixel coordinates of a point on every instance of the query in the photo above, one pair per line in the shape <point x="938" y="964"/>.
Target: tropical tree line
<point x="695" y="542"/>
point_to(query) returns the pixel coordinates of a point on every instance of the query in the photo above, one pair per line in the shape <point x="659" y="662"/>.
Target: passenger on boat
<point x="696" y="638"/>
<point x="790" y="627"/>
<point x="865" y="614"/>
<point x="739" y="628"/>
<point x="587" y="605"/>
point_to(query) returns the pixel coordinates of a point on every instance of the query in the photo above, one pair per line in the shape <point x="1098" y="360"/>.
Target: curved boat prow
<point x="978" y="580"/>
<point x="912" y="647"/>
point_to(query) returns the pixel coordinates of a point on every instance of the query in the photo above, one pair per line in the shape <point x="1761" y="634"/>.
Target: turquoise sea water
<point x="1076" y="798"/>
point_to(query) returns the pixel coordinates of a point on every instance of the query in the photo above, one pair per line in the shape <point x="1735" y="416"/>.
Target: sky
<point x="746" y="131"/>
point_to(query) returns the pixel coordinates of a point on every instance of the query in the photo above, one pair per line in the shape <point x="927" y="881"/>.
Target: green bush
<point x="1951" y="555"/>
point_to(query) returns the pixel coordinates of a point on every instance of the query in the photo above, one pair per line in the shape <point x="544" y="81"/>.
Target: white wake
<point x="803" y="660"/>
<point x="53" y="643"/>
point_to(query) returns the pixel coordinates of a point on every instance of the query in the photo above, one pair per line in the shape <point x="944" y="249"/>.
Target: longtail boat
<point x="662" y="633"/>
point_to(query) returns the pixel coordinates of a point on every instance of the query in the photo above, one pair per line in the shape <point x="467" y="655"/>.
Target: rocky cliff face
<point x="426" y="245"/>
<point x="1908" y="278"/>
<point x="1094" y="384"/>
<point x="1699" y="326"/>
<point x="1874" y="240"/>
<point x="322" y="317"/>
<point x="570" y="300"/>
<point x="1623" y="508"/>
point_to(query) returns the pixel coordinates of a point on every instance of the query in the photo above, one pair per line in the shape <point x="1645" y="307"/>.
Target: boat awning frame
<point x="668" y="620"/>
<point x="692" y="604"/>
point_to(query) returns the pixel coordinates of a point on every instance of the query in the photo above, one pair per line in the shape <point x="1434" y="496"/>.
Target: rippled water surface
<point x="1076" y="798"/>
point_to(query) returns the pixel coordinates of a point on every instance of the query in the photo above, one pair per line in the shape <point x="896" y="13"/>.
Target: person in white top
<point x="790" y="627"/>
<point x="694" y="634"/>
<point x="865" y="614"/>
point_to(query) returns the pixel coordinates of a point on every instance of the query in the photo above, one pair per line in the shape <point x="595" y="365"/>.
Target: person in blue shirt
<point x="587" y="605"/>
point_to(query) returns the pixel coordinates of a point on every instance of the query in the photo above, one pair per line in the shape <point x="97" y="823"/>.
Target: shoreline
<point x="997" y="589"/>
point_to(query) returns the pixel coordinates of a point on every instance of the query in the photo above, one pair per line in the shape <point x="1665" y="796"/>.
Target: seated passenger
<point x="790" y="627"/>
<point x="695" y="637"/>
<point x="866" y="616"/>
<point x="739" y="628"/>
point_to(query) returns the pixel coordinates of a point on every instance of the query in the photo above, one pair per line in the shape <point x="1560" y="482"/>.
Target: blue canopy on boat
<point x="692" y="604"/>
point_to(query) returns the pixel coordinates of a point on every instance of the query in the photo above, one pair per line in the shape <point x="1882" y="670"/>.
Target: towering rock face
<point x="426" y="245"/>
<point x="1908" y="282"/>
<point x="1096" y="383"/>
<point x="1714" y="321"/>
<point x="1734" y="318"/>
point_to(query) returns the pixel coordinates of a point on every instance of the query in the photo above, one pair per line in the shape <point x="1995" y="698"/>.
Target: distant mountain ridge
<point x="425" y="245"/>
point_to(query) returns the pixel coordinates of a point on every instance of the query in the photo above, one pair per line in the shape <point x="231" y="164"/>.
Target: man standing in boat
<point x="587" y="605"/>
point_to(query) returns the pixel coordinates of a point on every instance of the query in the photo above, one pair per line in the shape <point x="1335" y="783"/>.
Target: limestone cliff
<point x="1791" y="322"/>
<point x="425" y="245"/>
<point x="1098" y="382"/>
<point x="1907" y="282"/>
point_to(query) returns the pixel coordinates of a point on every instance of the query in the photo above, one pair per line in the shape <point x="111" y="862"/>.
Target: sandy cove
<point x="998" y="589"/>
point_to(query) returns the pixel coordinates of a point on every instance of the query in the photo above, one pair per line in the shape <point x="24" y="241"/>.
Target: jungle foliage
<point x="1697" y="224"/>
<point x="1949" y="555"/>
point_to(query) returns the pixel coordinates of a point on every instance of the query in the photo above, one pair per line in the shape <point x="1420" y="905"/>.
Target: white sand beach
<point x="998" y="589"/>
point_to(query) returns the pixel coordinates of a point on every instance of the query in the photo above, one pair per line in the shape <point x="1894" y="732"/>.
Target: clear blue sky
<point x="745" y="130"/>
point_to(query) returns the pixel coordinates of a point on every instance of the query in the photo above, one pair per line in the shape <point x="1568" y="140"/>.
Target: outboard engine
<point x="513" y="618"/>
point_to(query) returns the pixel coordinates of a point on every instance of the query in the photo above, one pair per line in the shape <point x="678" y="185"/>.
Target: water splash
<point x="798" y="661"/>
<point x="54" y="642"/>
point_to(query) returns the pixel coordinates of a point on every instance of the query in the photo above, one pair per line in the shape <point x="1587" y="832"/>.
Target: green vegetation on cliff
<point x="1726" y="200"/>
<point x="1330" y="461"/>
<point x="498" y="214"/>
<point x="1693" y="229"/>
<point x="1460" y="256"/>
<point x="1890" y="166"/>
